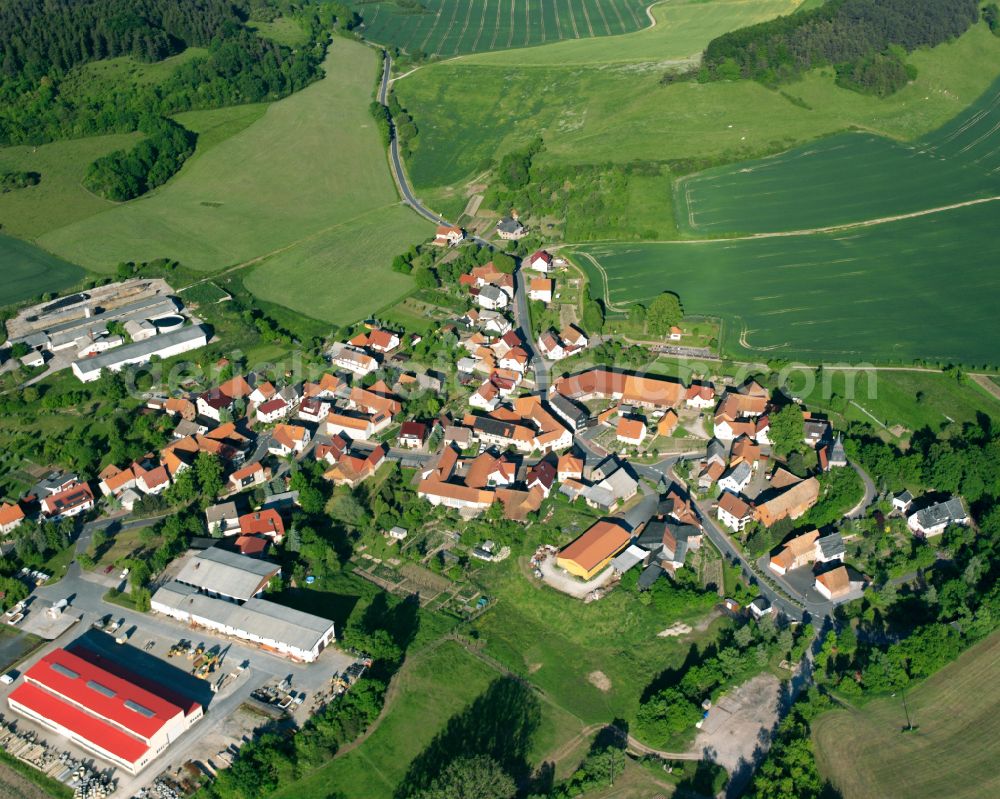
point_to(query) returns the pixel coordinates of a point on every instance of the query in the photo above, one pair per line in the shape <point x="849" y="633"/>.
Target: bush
<point x="152" y="162"/>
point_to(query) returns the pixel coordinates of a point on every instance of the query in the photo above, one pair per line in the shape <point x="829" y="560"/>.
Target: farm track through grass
<point x="293" y="180"/>
<point x="896" y="292"/>
<point x="849" y="178"/>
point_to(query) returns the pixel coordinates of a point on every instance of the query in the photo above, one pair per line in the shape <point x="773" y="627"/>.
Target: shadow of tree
<point x="701" y="783"/>
<point x="669" y="678"/>
<point x="500" y="723"/>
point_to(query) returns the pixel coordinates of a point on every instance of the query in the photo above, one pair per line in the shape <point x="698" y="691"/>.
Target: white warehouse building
<point x="183" y="339"/>
<point x="276" y="628"/>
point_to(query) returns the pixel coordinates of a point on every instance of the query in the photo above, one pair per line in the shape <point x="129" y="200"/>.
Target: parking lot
<point x="236" y="670"/>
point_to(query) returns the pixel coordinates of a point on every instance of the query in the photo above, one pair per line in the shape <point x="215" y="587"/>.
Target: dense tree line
<point x="789" y="770"/>
<point x="405" y="127"/>
<point x="239" y="68"/>
<point x="42" y="40"/>
<point x="880" y="74"/>
<point x="991" y="14"/>
<point x="39" y="37"/>
<point x="847" y="33"/>
<point x="124" y="175"/>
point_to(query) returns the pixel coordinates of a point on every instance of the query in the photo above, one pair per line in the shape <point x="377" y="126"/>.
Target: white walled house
<point x="541" y="261"/>
<point x="734" y="512"/>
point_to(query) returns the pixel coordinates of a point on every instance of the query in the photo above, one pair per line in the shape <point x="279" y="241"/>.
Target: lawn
<point x="440" y="681"/>
<point x="438" y="684"/>
<point x="850" y="177"/>
<point x="682" y="30"/>
<point x="283" y="30"/>
<point x="350" y="260"/>
<point x="311" y="165"/>
<point x="911" y="400"/>
<point x="59" y="198"/>
<point x="953" y="752"/>
<point x="620" y="112"/>
<point x="29" y="271"/>
<point x="450" y="27"/>
<point x="560" y="642"/>
<point x="872" y="294"/>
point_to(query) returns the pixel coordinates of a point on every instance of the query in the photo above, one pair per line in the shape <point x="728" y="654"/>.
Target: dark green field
<point x="919" y="288"/>
<point x="451" y="27"/>
<point x="851" y="177"/>
<point x="28" y="271"/>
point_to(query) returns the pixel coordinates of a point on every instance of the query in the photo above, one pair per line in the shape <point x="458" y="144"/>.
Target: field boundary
<point x="816" y="231"/>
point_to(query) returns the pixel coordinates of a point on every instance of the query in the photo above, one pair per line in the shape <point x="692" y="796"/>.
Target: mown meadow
<point x="301" y="184"/>
<point x="952" y="751"/>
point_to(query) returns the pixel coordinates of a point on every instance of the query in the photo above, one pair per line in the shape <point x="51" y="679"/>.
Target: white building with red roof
<point x="72" y="501"/>
<point x="272" y="410"/>
<point x="448" y="235"/>
<point x="11" y="515"/>
<point x="119" y="717"/>
<point x="541" y="261"/>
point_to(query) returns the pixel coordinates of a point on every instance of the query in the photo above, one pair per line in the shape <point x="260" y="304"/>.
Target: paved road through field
<point x="521" y="315"/>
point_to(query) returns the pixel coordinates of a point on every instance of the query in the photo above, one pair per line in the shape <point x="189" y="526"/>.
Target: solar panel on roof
<point x="65" y="672"/>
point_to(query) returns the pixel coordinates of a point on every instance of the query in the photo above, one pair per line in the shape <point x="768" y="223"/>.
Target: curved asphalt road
<point x="859" y="510"/>
<point x="520" y="305"/>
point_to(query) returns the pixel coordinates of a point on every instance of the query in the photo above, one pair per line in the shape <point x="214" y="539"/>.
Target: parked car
<point x="10" y="676"/>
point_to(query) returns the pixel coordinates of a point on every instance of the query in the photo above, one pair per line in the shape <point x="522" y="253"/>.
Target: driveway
<point x="86" y="599"/>
<point x="566" y="583"/>
<point x="866" y="501"/>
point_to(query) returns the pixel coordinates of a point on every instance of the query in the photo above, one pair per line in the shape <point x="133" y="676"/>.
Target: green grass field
<point x="283" y="30"/>
<point x="559" y="642"/>
<point x="620" y="112"/>
<point x="28" y="271"/>
<point x="59" y="199"/>
<point x="450" y="27"/>
<point x="849" y="178"/>
<point x="430" y="691"/>
<point x="892" y="292"/>
<point x="299" y="184"/>
<point x="683" y="28"/>
<point x="350" y="259"/>
<point x="953" y="752"/>
<point x="911" y="400"/>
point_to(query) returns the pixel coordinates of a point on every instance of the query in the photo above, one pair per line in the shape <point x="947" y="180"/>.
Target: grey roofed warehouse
<point x="278" y="628"/>
<point x="227" y="574"/>
<point x="63" y="333"/>
<point x="166" y="345"/>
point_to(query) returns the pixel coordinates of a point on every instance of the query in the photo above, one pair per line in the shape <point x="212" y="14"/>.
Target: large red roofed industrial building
<point x="108" y="714"/>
